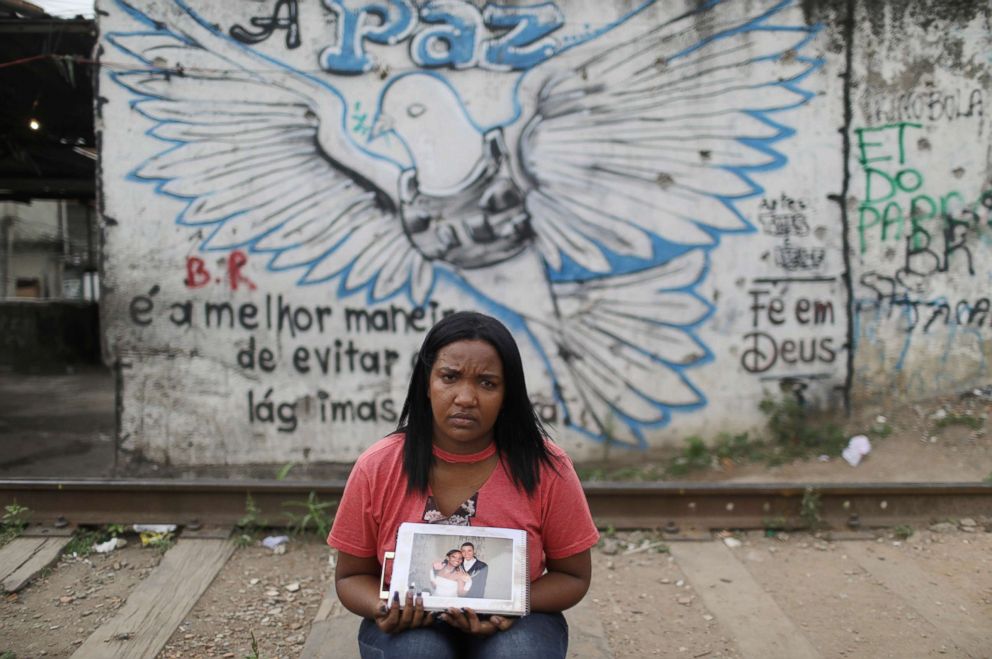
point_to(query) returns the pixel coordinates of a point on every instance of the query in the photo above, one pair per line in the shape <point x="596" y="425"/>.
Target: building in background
<point x="50" y="250"/>
<point x="49" y="236"/>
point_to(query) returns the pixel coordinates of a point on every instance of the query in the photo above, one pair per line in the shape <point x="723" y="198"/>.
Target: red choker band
<point x="458" y="458"/>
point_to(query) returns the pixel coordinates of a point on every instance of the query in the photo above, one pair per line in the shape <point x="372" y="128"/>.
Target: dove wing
<point x="653" y="134"/>
<point x="260" y="153"/>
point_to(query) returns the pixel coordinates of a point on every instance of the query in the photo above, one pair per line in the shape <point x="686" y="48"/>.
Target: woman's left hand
<point x="468" y="621"/>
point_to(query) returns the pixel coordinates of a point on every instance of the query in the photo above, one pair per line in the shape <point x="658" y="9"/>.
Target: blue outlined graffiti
<point x="607" y="173"/>
<point x="396" y="20"/>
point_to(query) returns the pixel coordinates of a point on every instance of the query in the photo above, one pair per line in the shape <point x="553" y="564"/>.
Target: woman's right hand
<point x="438" y="565"/>
<point x="393" y="619"/>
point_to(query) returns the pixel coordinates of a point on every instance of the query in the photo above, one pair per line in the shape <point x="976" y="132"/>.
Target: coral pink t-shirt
<point x="375" y="503"/>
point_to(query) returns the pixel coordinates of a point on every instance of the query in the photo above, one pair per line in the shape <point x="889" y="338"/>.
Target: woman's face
<point x="455" y="559"/>
<point x="466" y="394"/>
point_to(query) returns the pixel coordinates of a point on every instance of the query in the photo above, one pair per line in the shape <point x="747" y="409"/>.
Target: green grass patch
<point x="740" y="448"/>
<point x="630" y="473"/>
<point x="85" y="537"/>
<point x="794" y="434"/>
<point x="83" y="540"/>
<point x="967" y="420"/>
<point x="695" y="456"/>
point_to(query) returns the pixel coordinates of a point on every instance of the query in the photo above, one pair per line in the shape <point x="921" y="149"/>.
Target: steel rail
<point x="678" y="507"/>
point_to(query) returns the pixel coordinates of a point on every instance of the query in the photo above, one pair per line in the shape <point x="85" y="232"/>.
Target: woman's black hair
<point x="519" y="433"/>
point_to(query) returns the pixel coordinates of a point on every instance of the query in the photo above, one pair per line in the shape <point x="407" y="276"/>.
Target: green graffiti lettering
<point x="892" y="216"/>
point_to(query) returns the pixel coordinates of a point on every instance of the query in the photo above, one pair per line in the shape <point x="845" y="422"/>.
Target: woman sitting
<point x="469" y="450"/>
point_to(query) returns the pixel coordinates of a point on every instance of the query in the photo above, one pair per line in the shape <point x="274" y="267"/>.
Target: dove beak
<point x="382" y="124"/>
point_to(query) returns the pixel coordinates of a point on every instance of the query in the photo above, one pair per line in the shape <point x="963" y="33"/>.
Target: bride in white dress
<point x="449" y="578"/>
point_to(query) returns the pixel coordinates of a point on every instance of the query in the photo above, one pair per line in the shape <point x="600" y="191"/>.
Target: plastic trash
<point x="154" y="528"/>
<point x="153" y="534"/>
<point x="857" y="448"/>
<point x="149" y="538"/>
<point x="109" y="545"/>
<point x="274" y="541"/>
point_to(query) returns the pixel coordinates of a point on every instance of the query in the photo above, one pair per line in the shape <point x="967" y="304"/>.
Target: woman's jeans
<point x="538" y="635"/>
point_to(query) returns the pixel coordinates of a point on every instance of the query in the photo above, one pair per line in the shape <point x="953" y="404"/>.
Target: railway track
<point x="158" y="609"/>
<point x="678" y="508"/>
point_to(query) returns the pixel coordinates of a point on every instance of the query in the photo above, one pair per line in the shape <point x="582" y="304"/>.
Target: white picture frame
<point x="502" y="587"/>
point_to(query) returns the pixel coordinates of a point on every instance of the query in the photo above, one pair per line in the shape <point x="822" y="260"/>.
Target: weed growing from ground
<point x="903" y="531"/>
<point x="248" y="527"/>
<point x="315" y="516"/>
<point x="739" y="449"/>
<point x="794" y="436"/>
<point x="809" y="509"/>
<point x="774" y="525"/>
<point x="83" y="540"/>
<point x="14" y="520"/>
<point x="694" y="456"/>
<point x="284" y="471"/>
<point x="254" y="647"/>
<point x="115" y="530"/>
<point x="85" y="537"/>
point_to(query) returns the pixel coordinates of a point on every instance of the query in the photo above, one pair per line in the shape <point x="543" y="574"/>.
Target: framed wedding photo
<point x="484" y="569"/>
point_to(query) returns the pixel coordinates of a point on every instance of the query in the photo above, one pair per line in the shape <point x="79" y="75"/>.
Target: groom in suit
<point x="476" y="569"/>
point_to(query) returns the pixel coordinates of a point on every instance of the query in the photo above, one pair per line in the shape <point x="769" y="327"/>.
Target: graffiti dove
<point x="600" y="196"/>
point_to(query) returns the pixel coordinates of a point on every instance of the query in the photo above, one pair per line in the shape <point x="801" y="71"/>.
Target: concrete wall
<point x="667" y="202"/>
<point x="920" y="204"/>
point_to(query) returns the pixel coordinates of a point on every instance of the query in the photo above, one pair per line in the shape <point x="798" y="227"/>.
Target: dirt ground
<point x="58" y="611"/>
<point x="57" y="425"/>
<point x="649" y="605"/>
<point x="273" y="596"/>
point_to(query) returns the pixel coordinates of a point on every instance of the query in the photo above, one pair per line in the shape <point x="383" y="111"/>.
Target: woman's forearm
<point x="557" y="591"/>
<point x="359" y="594"/>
